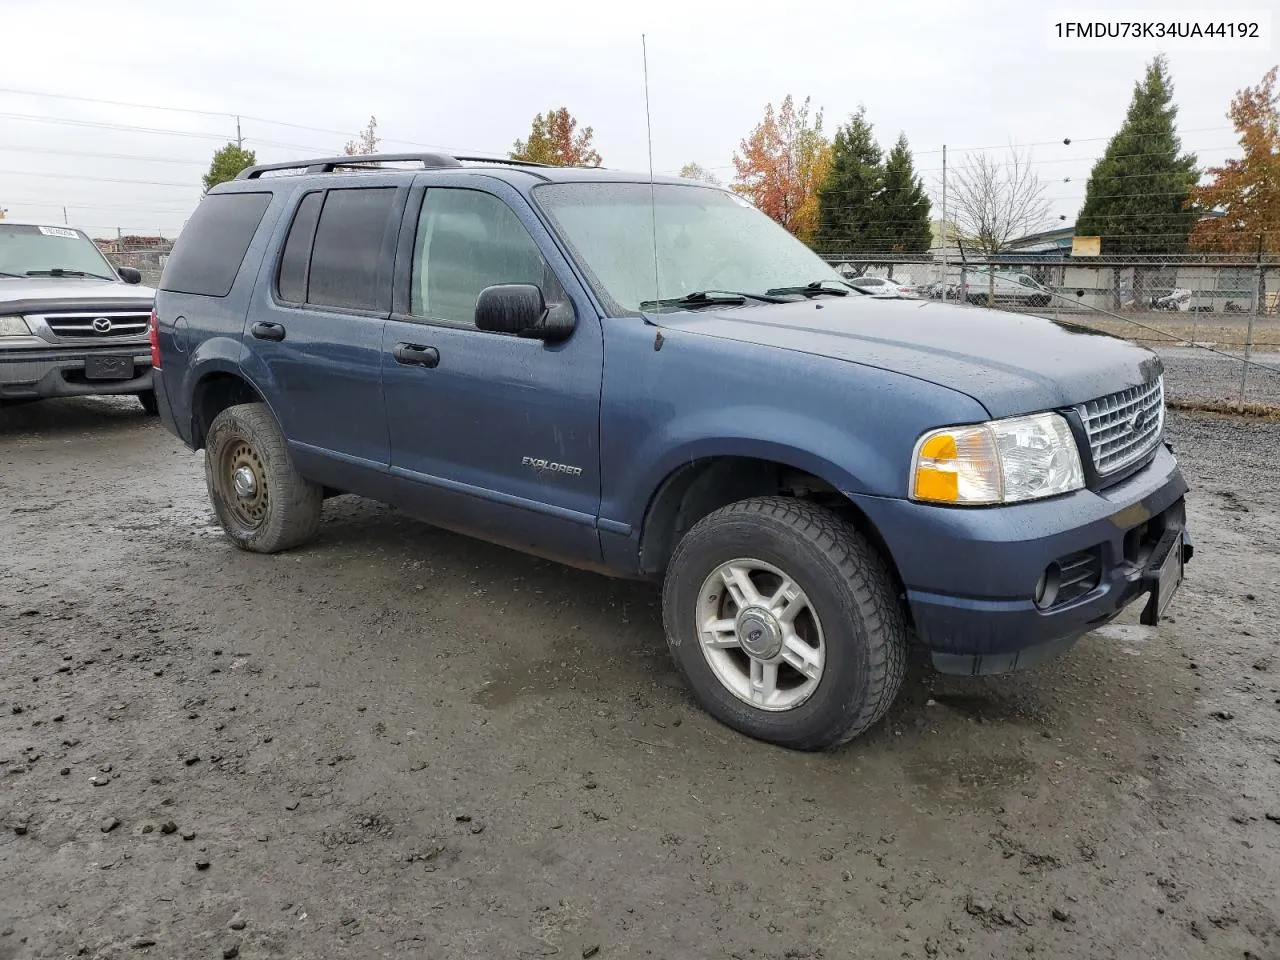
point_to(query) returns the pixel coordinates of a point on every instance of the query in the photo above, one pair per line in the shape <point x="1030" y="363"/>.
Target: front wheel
<point x="262" y="502"/>
<point x="786" y="623"/>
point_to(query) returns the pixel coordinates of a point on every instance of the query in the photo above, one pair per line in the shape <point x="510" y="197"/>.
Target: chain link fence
<point x="1215" y="320"/>
<point x="147" y="255"/>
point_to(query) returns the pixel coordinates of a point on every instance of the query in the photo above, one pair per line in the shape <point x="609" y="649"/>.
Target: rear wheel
<point x="262" y="502"/>
<point x="149" y="403"/>
<point x="786" y="623"/>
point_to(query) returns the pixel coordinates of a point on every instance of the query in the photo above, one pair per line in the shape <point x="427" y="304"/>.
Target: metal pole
<point x="239" y="139"/>
<point x="1258" y="297"/>
<point x="64" y="217"/>
<point x="944" y="223"/>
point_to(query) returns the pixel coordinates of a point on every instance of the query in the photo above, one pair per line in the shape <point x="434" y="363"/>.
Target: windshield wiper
<point x="17" y="275"/>
<point x="66" y="272"/>
<point x="813" y="289"/>
<point x="712" y="298"/>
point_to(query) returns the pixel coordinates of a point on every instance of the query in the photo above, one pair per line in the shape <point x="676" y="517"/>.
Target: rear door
<point x="315" y="332"/>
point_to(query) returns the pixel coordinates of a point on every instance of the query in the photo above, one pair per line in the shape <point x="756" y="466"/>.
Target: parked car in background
<point x="881" y="286"/>
<point x="71" y="324"/>
<point x="1009" y="288"/>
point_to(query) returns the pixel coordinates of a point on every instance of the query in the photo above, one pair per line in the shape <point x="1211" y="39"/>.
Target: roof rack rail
<point x="429" y="161"/>
<point x="504" y="161"/>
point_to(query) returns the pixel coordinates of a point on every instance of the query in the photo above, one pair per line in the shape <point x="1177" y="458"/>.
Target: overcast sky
<point x="471" y="77"/>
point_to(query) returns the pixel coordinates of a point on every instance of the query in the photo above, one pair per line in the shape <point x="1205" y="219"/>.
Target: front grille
<point x="1124" y="427"/>
<point x="89" y="325"/>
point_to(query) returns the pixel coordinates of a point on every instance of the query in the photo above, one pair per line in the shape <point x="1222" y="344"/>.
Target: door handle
<point x="267" y="331"/>
<point x="413" y="354"/>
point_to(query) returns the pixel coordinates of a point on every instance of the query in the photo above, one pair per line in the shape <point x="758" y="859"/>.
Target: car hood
<point x="24" y="289"/>
<point x="1010" y="363"/>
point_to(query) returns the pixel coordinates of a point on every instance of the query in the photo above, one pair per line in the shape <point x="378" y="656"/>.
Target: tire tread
<point x="871" y="584"/>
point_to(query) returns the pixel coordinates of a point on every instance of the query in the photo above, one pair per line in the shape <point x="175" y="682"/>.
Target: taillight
<point x="153" y="333"/>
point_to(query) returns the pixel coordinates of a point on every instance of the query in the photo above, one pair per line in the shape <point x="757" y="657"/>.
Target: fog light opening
<point x="1047" y="586"/>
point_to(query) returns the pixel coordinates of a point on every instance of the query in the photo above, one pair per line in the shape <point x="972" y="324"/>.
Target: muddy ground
<point x="398" y="742"/>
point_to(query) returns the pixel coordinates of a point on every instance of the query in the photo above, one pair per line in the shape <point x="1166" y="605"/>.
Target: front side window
<point x="468" y="240"/>
<point x="707" y="239"/>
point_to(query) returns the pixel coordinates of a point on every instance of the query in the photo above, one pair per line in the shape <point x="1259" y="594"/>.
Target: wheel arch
<point x="215" y="391"/>
<point x="701" y="486"/>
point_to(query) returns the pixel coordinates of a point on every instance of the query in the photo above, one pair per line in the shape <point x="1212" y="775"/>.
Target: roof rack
<point x="429" y="161"/>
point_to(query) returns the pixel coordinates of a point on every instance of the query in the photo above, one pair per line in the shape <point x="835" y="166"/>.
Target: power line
<point x="76" y="205"/>
<point x="97" y="156"/>
<point x="164" y="131"/>
<point x="187" y="110"/>
<point x="76" y="176"/>
<point x="232" y="116"/>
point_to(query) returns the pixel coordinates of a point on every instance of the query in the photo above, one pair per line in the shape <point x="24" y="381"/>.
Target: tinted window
<point x="208" y="255"/>
<point x="347" y="251"/>
<point x="292" y="284"/>
<point x="467" y="241"/>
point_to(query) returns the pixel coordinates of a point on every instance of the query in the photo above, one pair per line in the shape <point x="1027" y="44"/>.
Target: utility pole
<point x="64" y="217"/>
<point x="1258" y="297"/>
<point x="944" y="223"/>
<point x="239" y="139"/>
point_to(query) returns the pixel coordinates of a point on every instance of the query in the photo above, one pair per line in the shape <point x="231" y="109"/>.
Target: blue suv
<point x="651" y="379"/>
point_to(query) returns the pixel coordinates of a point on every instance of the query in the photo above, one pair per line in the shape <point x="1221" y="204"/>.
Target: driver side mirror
<point x="518" y="309"/>
<point x="129" y="275"/>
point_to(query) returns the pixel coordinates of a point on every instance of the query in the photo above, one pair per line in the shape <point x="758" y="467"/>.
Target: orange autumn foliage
<point x="781" y="165"/>
<point x="1246" y="190"/>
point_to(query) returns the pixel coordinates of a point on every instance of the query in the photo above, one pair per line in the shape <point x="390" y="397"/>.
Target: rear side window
<point x="347" y="251"/>
<point x="292" y="284"/>
<point x="207" y="258"/>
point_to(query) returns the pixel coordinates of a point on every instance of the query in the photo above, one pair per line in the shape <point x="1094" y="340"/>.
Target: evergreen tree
<point x="1136" y="199"/>
<point x="902" y="205"/>
<point x="228" y="162"/>
<point x="848" y="215"/>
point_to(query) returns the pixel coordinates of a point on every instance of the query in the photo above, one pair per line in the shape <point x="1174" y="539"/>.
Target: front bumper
<point x="971" y="574"/>
<point x="60" y="372"/>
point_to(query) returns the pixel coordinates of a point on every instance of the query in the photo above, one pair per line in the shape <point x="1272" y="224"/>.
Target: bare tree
<point x="696" y="171"/>
<point x="998" y="201"/>
<point x="366" y="143"/>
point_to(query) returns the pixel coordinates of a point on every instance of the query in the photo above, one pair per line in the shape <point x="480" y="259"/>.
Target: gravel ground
<point x="1195" y="374"/>
<point x="397" y="742"/>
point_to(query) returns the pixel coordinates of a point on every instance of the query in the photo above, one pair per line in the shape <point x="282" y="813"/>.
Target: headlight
<point x="1004" y="461"/>
<point x="14" y="327"/>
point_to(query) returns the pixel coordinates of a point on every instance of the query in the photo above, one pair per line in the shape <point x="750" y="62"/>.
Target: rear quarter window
<point x="208" y="255"/>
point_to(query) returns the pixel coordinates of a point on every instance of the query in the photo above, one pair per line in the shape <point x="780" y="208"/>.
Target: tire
<point x="860" y="638"/>
<point x="149" y="402"/>
<point x="283" y="508"/>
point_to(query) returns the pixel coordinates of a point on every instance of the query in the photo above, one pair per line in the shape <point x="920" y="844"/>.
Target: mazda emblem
<point x="101" y="324"/>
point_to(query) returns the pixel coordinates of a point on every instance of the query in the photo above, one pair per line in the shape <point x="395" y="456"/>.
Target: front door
<point x="493" y="435"/>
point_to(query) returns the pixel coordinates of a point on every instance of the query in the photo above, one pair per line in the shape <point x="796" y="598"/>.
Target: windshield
<point x="708" y="240"/>
<point x="27" y="250"/>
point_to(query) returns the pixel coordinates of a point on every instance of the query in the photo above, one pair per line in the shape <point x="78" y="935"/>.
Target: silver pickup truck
<point x="71" y="324"/>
